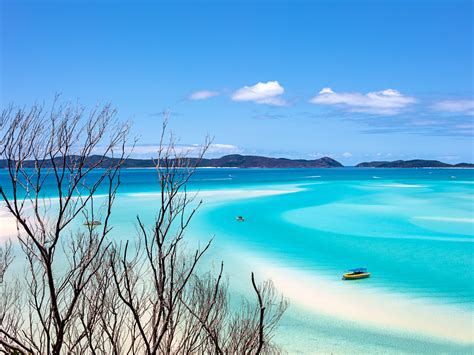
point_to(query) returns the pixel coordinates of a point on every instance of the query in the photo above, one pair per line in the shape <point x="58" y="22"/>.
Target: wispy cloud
<point x="465" y="107"/>
<point x="202" y="95"/>
<point x="167" y="112"/>
<point x="268" y="116"/>
<point x="216" y="149"/>
<point x="453" y="126"/>
<point x="386" y="102"/>
<point x="221" y="149"/>
<point x="262" y="93"/>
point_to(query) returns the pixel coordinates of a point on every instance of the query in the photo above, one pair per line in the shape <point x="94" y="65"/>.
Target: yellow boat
<point x="356" y="274"/>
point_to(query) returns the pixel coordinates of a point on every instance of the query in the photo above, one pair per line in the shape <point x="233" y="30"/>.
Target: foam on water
<point x="446" y="219"/>
<point x="413" y="229"/>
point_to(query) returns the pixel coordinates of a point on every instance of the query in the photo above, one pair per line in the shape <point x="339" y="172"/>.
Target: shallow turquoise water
<point x="413" y="228"/>
<point x="332" y="226"/>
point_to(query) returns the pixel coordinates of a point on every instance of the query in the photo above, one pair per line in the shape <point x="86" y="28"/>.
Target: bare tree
<point x="6" y="258"/>
<point x="59" y="146"/>
<point x="84" y="294"/>
<point x="171" y="309"/>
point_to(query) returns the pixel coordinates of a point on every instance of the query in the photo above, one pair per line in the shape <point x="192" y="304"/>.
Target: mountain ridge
<point x="256" y="161"/>
<point x="414" y="163"/>
<point x="227" y="161"/>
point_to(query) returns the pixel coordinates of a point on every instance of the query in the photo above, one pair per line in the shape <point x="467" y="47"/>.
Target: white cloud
<point x="455" y="106"/>
<point x="223" y="149"/>
<point x="262" y="93"/>
<point x="202" y="95"/>
<point x="214" y="150"/>
<point x="385" y="102"/>
<point x="347" y="155"/>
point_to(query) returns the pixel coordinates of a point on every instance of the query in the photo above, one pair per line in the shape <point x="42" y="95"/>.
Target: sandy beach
<point x="391" y="312"/>
<point x="8" y="228"/>
<point x="384" y="310"/>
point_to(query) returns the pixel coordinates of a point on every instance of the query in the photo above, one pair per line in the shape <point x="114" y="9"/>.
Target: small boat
<point x="92" y="223"/>
<point x="356" y="274"/>
<point x="240" y="219"/>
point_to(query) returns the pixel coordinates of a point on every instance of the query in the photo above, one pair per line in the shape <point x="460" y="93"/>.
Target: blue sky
<point x="355" y="80"/>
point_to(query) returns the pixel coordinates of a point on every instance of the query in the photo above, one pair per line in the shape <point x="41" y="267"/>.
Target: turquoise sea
<point x="412" y="228"/>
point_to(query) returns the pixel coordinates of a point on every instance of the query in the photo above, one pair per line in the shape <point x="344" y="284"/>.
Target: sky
<point x="353" y="80"/>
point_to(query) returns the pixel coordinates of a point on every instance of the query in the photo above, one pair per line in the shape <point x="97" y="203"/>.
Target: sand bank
<point x="224" y="195"/>
<point x="355" y="302"/>
<point x="446" y="219"/>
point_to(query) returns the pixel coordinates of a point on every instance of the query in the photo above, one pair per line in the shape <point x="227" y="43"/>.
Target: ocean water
<point x="412" y="228"/>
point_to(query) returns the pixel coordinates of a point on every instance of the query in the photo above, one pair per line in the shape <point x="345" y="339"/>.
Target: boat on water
<point x="356" y="274"/>
<point x="240" y="219"/>
<point x="92" y="223"/>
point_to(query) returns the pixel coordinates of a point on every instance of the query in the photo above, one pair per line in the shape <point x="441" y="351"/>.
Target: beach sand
<point x="8" y="228"/>
<point x="351" y="301"/>
<point x="225" y="195"/>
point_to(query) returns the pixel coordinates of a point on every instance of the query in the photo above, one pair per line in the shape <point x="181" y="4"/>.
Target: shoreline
<point x="9" y="228"/>
<point x="378" y="309"/>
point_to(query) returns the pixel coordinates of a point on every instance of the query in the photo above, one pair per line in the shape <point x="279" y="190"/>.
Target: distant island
<point x="227" y="161"/>
<point x="255" y="161"/>
<point x="416" y="163"/>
